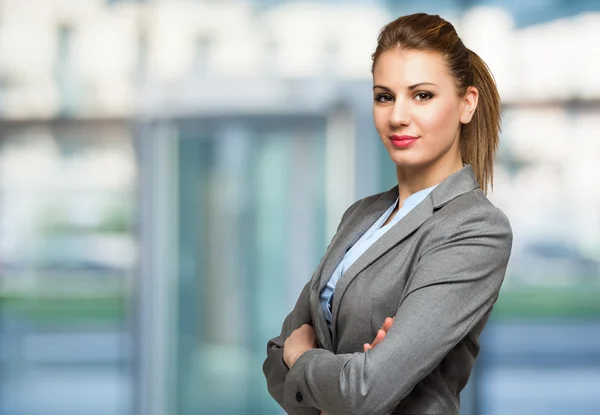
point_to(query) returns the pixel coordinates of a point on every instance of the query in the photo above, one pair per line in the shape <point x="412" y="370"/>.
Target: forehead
<point x="400" y="68"/>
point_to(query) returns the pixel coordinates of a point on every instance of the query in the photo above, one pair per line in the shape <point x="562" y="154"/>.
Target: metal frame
<point x="156" y="299"/>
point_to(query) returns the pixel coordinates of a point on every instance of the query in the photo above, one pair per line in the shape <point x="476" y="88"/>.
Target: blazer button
<point x="299" y="397"/>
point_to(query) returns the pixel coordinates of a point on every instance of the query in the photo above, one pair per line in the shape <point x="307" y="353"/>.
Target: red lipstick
<point x="403" y="141"/>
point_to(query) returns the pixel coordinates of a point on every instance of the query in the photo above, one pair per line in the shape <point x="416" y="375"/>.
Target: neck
<point x="412" y="179"/>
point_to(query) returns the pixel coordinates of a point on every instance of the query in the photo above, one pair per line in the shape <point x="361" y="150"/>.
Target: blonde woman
<point x="390" y="320"/>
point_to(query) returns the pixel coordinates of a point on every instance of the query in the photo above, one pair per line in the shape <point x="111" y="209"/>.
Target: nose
<point x="400" y="114"/>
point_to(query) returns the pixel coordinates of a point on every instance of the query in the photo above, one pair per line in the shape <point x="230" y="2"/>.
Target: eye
<point x="424" y="96"/>
<point x="384" y="98"/>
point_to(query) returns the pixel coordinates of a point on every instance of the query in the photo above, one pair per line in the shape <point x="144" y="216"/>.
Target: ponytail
<point x="480" y="137"/>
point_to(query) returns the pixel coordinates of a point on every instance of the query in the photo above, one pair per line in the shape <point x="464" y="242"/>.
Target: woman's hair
<point x="478" y="139"/>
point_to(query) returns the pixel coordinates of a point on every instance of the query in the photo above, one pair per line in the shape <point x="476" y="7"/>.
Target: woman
<point x="389" y="322"/>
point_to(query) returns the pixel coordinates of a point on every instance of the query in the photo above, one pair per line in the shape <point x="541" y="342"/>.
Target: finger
<point x="378" y="338"/>
<point x="387" y="323"/>
<point x="366" y="347"/>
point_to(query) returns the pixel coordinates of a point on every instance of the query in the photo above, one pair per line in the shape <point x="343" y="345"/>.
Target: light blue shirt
<point x="365" y="241"/>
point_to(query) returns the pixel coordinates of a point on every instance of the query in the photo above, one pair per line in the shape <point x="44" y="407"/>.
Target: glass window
<point x="67" y="252"/>
<point x="250" y="220"/>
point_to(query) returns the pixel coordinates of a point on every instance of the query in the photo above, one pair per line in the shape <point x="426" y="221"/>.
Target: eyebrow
<point x="410" y="88"/>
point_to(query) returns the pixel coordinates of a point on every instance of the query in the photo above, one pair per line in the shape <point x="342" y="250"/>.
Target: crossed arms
<point x="454" y="285"/>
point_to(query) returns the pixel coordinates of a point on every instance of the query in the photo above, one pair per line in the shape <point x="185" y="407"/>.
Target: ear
<point x="468" y="104"/>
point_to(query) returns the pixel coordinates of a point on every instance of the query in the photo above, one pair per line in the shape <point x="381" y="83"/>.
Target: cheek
<point x="380" y="118"/>
<point x="439" y="118"/>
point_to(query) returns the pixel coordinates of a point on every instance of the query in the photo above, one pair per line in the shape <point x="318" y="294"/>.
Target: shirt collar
<point x="417" y="197"/>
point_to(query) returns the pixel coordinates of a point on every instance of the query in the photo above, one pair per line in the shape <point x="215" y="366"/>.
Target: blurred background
<point x="171" y="172"/>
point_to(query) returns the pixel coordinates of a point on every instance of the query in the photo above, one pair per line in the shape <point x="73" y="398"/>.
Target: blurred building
<point x="156" y="156"/>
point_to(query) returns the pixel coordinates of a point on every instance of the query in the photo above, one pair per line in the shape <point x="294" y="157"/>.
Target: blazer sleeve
<point x="454" y="285"/>
<point x="274" y="368"/>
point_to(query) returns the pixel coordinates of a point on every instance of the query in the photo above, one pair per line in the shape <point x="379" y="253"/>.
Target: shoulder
<point x="470" y="216"/>
<point x="472" y="206"/>
<point x="362" y="203"/>
<point x="367" y="200"/>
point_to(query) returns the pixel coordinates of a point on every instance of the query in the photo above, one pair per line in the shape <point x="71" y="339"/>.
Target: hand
<point x="380" y="333"/>
<point x="301" y="340"/>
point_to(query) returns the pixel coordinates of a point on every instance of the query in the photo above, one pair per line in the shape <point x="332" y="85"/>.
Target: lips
<point x="402" y="141"/>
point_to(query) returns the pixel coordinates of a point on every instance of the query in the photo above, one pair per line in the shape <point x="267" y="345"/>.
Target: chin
<point x="416" y="157"/>
<point x="406" y="158"/>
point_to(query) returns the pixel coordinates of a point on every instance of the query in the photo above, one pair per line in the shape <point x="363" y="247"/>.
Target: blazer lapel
<point x="453" y="186"/>
<point x="392" y="237"/>
<point x="350" y="232"/>
<point x="319" y="323"/>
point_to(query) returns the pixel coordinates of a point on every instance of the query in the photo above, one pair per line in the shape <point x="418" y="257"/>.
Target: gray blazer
<point x="438" y="271"/>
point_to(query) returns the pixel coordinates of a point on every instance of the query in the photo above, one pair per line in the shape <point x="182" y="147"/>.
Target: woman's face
<point x="416" y="108"/>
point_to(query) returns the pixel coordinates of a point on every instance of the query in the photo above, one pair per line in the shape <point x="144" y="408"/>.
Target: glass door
<point x="233" y="225"/>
